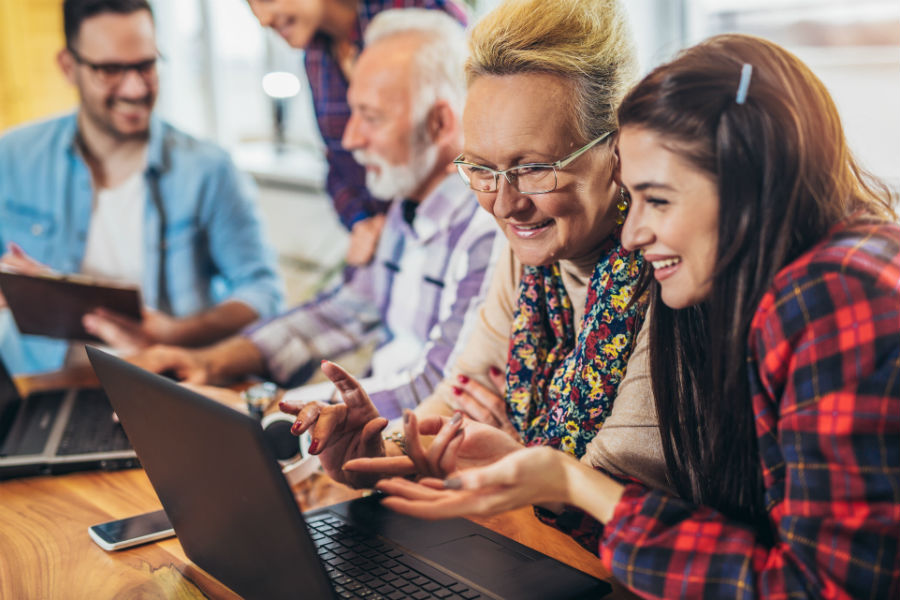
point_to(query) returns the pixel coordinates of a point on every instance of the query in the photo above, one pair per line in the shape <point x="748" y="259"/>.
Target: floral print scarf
<point x="559" y="390"/>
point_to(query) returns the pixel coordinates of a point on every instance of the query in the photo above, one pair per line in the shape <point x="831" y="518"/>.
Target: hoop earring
<point x="622" y="205"/>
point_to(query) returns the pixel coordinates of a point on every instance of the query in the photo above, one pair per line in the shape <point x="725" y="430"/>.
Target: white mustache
<point x="367" y="159"/>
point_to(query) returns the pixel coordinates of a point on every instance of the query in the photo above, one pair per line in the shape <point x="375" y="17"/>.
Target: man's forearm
<point x="214" y="324"/>
<point x="231" y="359"/>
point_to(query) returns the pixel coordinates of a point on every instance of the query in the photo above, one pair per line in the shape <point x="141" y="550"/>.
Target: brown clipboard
<point x="52" y="305"/>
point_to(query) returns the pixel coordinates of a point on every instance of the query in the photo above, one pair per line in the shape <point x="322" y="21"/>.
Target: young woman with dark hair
<point x="773" y="270"/>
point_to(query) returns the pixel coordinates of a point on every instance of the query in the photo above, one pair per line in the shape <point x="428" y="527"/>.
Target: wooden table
<point x="45" y="551"/>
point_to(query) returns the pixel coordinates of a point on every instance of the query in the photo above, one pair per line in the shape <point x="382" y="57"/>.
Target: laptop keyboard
<point x="91" y="428"/>
<point x="32" y="428"/>
<point x="364" y="566"/>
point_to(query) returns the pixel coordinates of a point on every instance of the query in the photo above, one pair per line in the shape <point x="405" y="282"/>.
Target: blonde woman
<point x="558" y="327"/>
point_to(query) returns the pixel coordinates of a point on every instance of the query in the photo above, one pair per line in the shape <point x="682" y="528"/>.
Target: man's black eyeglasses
<point x="112" y="73"/>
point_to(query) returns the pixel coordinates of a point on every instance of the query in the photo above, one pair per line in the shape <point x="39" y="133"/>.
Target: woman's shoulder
<point x="868" y="251"/>
<point x="857" y="266"/>
<point x="830" y="313"/>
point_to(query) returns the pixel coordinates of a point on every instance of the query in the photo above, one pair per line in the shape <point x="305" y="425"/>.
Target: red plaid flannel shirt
<point x="824" y="361"/>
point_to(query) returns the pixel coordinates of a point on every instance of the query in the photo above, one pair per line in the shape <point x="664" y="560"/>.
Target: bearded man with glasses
<point x="114" y="193"/>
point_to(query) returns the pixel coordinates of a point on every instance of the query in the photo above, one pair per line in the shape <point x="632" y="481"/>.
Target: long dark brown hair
<point x="785" y="177"/>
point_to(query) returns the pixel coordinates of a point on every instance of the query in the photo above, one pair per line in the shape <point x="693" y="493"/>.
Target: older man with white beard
<point x="431" y="268"/>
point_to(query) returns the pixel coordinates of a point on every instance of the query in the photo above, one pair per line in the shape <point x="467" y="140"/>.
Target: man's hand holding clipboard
<point x="44" y="302"/>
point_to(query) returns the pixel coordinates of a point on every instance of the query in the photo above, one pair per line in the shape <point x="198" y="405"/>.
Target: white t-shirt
<point x="115" y="244"/>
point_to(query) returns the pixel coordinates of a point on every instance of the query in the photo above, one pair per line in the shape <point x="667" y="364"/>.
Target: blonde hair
<point x="586" y="41"/>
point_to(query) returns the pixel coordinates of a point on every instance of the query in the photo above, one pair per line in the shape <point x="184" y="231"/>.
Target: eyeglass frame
<point x="138" y="67"/>
<point x="560" y="164"/>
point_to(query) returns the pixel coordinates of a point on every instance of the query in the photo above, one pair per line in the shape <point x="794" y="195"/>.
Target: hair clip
<point x="744" y="85"/>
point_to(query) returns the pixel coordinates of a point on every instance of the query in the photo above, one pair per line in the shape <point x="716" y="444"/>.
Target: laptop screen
<point x="9" y="401"/>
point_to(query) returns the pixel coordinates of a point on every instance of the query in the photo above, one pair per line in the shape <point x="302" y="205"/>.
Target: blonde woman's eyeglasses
<point x="529" y="178"/>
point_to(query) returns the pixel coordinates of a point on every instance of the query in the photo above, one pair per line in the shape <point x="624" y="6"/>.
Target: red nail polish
<point x="462" y="379"/>
<point x="457" y="391"/>
<point x="295" y="428"/>
<point x="495" y="371"/>
<point x="313" y="446"/>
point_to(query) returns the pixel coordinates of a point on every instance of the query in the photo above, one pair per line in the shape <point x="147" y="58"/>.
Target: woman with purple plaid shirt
<point x="773" y="271"/>
<point x="331" y="34"/>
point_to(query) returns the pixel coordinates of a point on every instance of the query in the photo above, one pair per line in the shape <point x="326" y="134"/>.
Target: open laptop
<point x="237" y="519"/>
<point x="58" y="432"/>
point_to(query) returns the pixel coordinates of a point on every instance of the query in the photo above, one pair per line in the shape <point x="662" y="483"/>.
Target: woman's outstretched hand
<point x="528" y="476"/>
<point x="532" y="476"/>
<point x="341" y="432"/>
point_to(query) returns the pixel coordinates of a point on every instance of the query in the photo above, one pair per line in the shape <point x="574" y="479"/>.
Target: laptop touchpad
<point x="476" y="554"/>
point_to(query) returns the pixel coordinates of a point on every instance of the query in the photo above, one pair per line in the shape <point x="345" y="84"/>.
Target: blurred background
<point x="216" y="58"/>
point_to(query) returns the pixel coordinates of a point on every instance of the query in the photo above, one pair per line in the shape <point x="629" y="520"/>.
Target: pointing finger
<point x="350" y="389"/>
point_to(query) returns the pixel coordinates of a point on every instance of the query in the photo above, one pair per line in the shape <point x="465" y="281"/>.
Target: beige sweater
<point x="628" y="443"/>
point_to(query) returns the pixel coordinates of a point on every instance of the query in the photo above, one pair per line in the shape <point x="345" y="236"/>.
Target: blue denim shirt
<point x="213" y="248"/>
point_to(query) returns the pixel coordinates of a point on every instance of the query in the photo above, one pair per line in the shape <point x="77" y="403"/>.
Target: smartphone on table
<point x="125" y="533"/>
